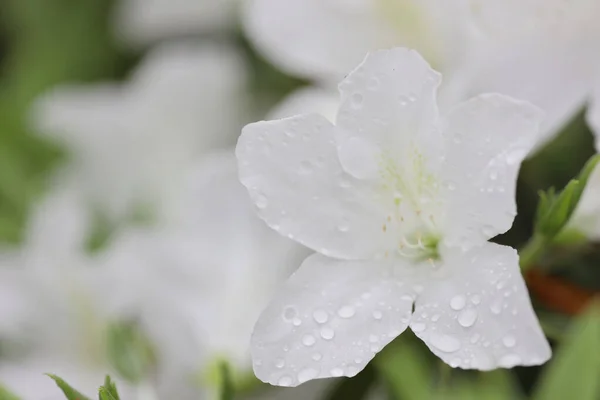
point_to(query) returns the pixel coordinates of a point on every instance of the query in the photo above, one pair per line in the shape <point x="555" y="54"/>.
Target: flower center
<point x="414" y="192"/>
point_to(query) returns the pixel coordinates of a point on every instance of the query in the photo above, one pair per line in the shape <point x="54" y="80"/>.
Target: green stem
<point x="532" y="251"/>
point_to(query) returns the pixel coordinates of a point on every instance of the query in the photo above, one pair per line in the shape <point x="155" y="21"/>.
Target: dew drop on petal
<point x="357" y="100"/>
<point x="320" y="316"/>
<point x="377" y="314"/>
<point x="261" y="201"/>
<point x="509" y="360"/>
<point x="496" y="307"/>
<point x="336" y="372"/>
<point x="467" y="317"/>
<point x="296" y="321"/>
<point x="307" y="374"/>
<point x="346" y="312"/>
<point x="509" y="341"/>
<point x="373" y="338"/>
<point x="435" y="317"/>
<point x="476" y="299"/>
<point x="475" y="338"/>
<point x="327" y="333"/>
<point x="316" y="356"/>
<point x="445" y="343"/>
<point x="285" y="381"/>
<point x="458" y="302"/>
<point x="308" y="340"/>
<point x="418" y="327"/>
<point x="280" y="363"/>
<point x="289" y="313"/>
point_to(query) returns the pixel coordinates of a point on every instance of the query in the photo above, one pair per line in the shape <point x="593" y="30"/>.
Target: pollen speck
<point x="384" y="227"/>
<point x="389" y="218"/>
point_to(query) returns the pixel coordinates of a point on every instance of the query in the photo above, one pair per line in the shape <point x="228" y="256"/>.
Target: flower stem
<point x="532" y="251"/>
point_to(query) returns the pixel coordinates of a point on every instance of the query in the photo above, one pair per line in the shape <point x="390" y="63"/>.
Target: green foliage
<point x="5" y="394"/>
<point x="574" y="372"/>
<point x="109" y="390"/>
<point x="555" y="209"/>
<point x="129" y="351"/>
<point x="69" y="392"/>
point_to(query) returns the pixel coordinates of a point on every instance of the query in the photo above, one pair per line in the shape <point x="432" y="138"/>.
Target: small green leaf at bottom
<point x="68" y="391"/>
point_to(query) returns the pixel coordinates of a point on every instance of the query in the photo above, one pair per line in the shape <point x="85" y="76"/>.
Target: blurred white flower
<point x="542" y="51"/>
<point x="129" y="142"/>
<point x="586" y="217"/>
<point x="208" y="271"/>
<point x="325" y="39"/>
<point x="399" y="205"/>
<point x="141" y="22"/>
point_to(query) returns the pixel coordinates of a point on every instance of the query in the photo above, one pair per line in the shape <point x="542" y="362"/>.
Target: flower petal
<point x="292" y="171"/>
<point x="388" y="105"/>
<point x="329" y="320"/>
<point x="479" y="316"/>
<point x="486" y="138"/>
<point x="309" y="100"/>
<point x="329" y="49"/>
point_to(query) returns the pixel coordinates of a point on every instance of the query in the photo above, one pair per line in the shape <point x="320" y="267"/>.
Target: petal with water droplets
<point x="349" y="310"/>
<point x="483" y="315"/>
<point x="485" y="139"/>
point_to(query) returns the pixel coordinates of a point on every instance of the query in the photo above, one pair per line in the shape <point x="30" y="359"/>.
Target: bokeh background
<point x="130" y="249"/>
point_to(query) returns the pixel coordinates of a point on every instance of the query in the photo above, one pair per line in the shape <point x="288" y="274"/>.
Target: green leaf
<point x="5" y="394"/>
<point x="405" y="370"/>
<point x="109" y="390"/>
<point x="495" y="385"/>
<point x="226" y="387"/>
<point x="69" y="392"/>
<point x="574" y="372"/>
<point x="129" y="351"/>
<point x="555" y="210"/>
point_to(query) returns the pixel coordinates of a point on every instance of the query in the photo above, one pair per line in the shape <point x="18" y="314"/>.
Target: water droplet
<point x="285" y="381"/>
<point x="307" y="374"/>
<point x="451" y="186"/>
<point x="375" y="348"/>
<point x="435" y="317"/>
<point x="289" y="313"/>
<point x="467" y="317"/>
<point x="327" y="333"/>
<point x="417" y="327"/>
<point x="496" y="307"/>
<point x="358" y="360"/>
<point x="412" y="97"/>
<point x="509" y="341"/>
<point x="357" y="100"/>
<point x="316" y="356"/>
<point x="336" y="372"/>
<point x="297" y="321"/>
<point x="476" y="299"/>
<point x="280" y="363"/>
<point x="308" y="340"/>
<point x="458" y="302"/>
<point x="445" y="343"/>
<point x="373" y="83"/>
<point x="346" y="312"/>
<point x="455" y="362"/>
<point x="373" y="338"/>
<point x="403" y="100"/>
<point x="493" y="175"/>
<point x="320" y="316"/>
<point x="377" y="314"/>
<point x="418" y="289"/>
<point x="475" y="338"/>
<point x="261" y="201"/>
<point x="509" y="360"/>
<point x="306" y="167"/>
<point x="343" y="227"/>
<point x="516" y="156"/>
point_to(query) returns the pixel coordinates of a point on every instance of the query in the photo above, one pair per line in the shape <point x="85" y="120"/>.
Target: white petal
<point x="330" y="319"/>
<point x="486" y="138"/>
<point x="340" y="34"/>
<point x="478" y="314"/>
<point x="292" y="171"/>
<point x="310" y="100"/>
<point x="388" y="107"/>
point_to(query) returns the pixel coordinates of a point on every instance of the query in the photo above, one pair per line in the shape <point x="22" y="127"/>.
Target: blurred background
<point x="129" y="248"/>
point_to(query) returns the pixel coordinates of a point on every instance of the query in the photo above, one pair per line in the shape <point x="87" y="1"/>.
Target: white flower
<point x="129" y="142"/>
<point x="197" y="283"/>
<point x="399" y="205"/>
<point x="141" y="22"/>
<point x="324" y="39"/>
<point x="542" y="51"/>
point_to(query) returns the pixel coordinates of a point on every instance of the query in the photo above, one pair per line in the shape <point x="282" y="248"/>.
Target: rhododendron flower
<point x="399" y="204"/>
